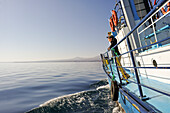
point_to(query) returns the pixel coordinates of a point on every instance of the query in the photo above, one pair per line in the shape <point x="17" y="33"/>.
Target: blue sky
<point x="53" y="29"/>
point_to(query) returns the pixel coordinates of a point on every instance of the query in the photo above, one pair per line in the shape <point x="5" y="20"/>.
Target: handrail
<point x="144" y="46"/>
<point x="160" y="91"/>
<point x="148" y="67"/>
<point x="154" y="21"/>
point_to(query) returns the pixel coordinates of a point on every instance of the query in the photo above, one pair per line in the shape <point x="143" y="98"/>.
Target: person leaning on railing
<point x="113" y="42"/>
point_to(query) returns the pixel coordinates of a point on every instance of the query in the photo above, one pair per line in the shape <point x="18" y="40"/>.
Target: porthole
<point x="154" y="63"/>
<point x="139" y="64"/>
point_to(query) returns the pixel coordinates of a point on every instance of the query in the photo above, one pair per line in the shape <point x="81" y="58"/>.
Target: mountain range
<point x="76" y="59"/>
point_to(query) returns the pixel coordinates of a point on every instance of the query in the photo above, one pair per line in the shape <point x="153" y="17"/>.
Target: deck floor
<point x="158" y="100"/>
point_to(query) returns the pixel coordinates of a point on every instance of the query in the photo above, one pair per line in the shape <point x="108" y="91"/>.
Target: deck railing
<point x="152" y="20"/>
<point x="106" y="55"/>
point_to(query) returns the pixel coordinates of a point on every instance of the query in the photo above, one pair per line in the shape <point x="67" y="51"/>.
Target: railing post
<point x="110" y="64"/>
<point x="101" y="55"/>
<point x="134" y="65"/>
<point x="153" y="26"/>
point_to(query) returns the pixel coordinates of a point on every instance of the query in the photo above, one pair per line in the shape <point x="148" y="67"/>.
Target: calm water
<point x="24" y="86"/>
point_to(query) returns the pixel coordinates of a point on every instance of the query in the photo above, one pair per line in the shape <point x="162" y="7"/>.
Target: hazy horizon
<point x="74" y="59"/>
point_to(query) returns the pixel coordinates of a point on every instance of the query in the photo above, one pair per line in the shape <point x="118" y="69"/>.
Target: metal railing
<point x="106" y="55"/>
<point x="152" y="25"/>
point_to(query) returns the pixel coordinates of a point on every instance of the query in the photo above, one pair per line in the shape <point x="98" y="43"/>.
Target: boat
<point x="142" y="30"/>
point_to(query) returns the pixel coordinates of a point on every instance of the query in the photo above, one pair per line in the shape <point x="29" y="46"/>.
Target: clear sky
<point x="53" y="29"/>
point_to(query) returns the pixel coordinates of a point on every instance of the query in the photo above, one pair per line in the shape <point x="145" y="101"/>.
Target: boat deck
<point x="145" y="50"/>
<point x="158" y="100"/>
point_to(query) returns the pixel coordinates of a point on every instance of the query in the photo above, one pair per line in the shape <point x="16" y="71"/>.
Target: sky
<point x="32" y="30"/>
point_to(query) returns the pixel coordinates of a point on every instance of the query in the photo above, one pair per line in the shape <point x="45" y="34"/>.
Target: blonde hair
<point x="109" y="33"/>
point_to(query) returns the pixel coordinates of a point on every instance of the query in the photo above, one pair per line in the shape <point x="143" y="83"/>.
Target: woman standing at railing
<point x="113" y="42"/>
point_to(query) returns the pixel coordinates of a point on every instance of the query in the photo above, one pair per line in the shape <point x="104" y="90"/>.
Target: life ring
<point x="114" y="91"/>
<point x="163" y="10"/>
<point x="111" y="24"/>
<point x="154" y="2"/>
<point x="114" y="16"/>
<point x="157" y="15"/>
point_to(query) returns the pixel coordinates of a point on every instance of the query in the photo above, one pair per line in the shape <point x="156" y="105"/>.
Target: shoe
<point x="122" y="78"/>
<point x="127" y="76"/>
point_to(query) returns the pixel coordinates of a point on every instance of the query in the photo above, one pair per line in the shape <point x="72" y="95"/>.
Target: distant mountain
<point x="76" y="59"/>
<point x="80" y="59"/>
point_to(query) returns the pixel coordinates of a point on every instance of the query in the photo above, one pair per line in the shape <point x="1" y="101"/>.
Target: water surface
<point x="24" y="86"/>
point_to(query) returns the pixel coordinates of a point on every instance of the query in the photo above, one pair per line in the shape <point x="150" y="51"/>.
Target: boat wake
<point x="97" y="99"/>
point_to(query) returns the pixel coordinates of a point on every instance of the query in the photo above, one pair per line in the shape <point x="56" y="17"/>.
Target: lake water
<point x="25" y="86"/>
